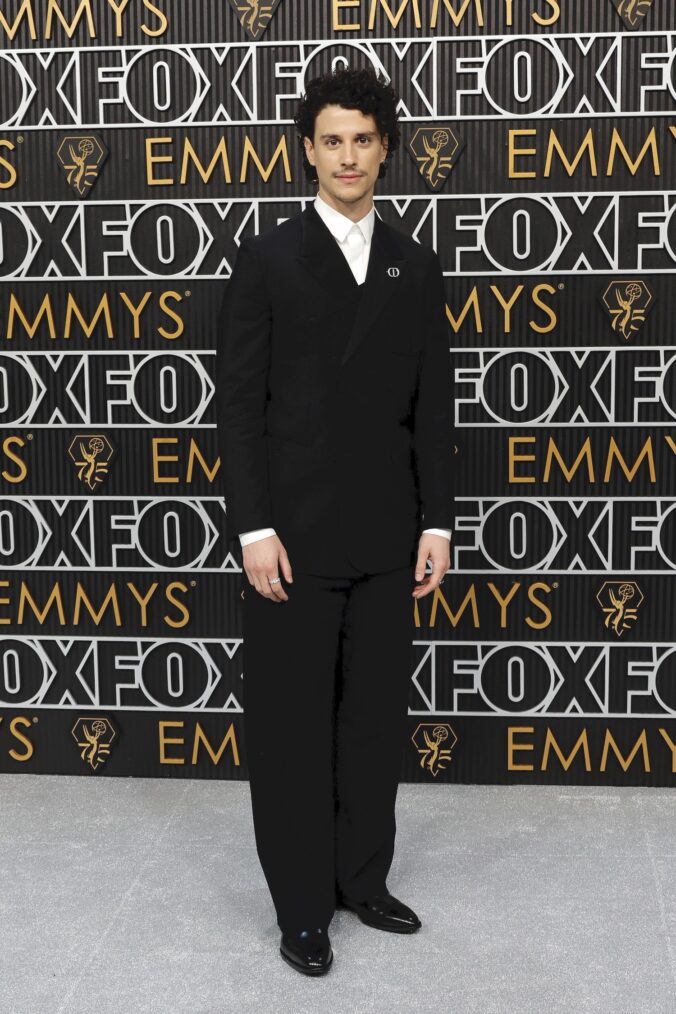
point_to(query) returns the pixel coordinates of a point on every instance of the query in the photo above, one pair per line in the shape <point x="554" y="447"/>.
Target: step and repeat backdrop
<point x="139" y="142"/>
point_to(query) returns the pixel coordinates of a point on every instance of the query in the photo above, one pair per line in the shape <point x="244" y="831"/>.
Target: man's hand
<point x="261" y="560"/>
<point x="437" y="549"/>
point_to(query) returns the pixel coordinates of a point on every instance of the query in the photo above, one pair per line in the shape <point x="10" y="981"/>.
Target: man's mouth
<point x="349" y="176"/>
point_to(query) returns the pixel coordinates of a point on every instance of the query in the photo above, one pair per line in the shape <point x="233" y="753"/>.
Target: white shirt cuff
<point x="446" y="532"/>
<point x="255" y="534"/>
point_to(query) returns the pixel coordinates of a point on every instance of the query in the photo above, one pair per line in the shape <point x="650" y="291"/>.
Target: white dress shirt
<point x="354" y="239"/>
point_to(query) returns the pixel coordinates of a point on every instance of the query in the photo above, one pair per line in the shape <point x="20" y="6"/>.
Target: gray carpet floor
<point x="146" y="895"/>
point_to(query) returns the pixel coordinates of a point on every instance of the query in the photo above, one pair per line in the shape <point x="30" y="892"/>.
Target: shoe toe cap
<point x="308" y="949"/>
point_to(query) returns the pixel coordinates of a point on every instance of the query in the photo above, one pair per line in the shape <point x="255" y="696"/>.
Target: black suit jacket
<point x="335" y="429"/>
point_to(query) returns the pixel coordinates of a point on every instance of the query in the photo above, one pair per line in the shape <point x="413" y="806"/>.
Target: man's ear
<point x="308" y="146"/>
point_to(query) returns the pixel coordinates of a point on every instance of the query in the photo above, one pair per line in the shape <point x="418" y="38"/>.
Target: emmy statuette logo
<point x="615" y="597"/>
<point x="627" y="303"/>
<point x="91" y="453"/>
<point x="428" y="739"/>
<point x="253" y="16"/>
<point x="81" y="157"/>
<point x="94" y="737"/>
<point x="435" y="151"/>
<point x="632" y="12"/>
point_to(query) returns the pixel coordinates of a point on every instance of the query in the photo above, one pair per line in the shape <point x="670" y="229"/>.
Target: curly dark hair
<point x="352" y="88"/>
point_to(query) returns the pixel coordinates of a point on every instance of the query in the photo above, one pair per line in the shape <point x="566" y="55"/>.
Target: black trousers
<point x="326" y="681"/>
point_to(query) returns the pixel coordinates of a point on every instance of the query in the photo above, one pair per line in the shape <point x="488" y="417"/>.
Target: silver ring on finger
<point x="274" y="580"/>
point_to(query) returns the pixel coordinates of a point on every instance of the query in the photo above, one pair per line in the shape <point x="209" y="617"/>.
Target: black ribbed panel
<point x="556" y="618"/>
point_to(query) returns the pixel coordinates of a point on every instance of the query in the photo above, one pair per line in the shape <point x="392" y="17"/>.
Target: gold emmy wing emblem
<point x="614" y="598"/>
<point x="81" y="157"/>
<point x="435" y="151"/>
<point x="627" y="304"/>
<point x="632" y="12"/>
<point x="94" y="737"/>
<point x="427" y="739"/>
<point x="254" y="17"/>
<point x="90" y="453"/>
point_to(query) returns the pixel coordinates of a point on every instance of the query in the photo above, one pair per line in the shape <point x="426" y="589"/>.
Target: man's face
<point x="346" y="153"/>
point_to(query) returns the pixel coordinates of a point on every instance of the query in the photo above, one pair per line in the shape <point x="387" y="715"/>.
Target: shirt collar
<point x="340" y="224"/>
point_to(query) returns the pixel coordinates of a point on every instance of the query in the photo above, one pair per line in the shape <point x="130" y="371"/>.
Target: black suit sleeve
<point x="242" y="364"/>
<point x="433" y="422"/>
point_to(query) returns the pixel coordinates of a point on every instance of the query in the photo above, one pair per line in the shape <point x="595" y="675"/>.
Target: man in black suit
<point x="335" y="427"/>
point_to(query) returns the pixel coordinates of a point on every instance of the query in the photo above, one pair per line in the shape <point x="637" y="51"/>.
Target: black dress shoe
<point x="308" y="951"/>
<point x="384" y="911"/>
